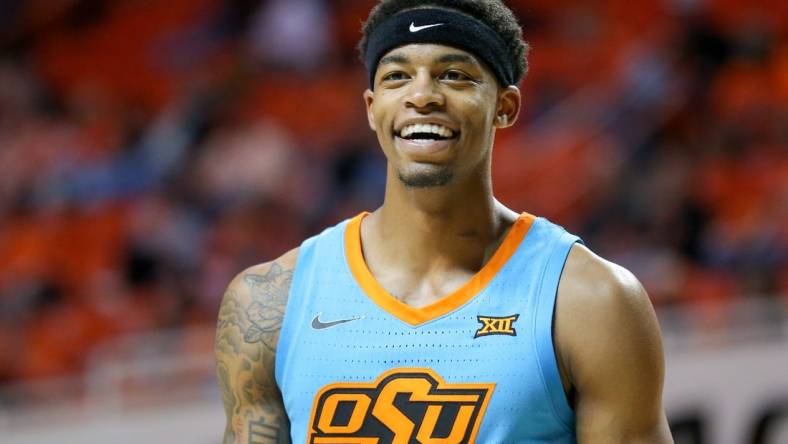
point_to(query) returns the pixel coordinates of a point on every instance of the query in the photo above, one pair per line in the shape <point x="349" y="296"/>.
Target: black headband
<point x="442" y="26"/>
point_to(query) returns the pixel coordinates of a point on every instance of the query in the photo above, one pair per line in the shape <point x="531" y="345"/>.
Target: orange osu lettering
<point x="401" y="406"/>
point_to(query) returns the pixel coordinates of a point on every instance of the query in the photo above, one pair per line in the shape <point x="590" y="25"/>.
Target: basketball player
<point x="442" y="316"/>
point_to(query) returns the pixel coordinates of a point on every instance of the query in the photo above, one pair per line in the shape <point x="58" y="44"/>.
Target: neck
<point x="456" y="225"/>
<point x="463" y="198"/>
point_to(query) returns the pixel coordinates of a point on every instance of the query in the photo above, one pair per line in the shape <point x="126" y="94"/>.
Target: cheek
<point x="381" y="119"/>
<point x="480" y="104"/>
<point x="479" y="113"/>
<point x="384" y="105"/>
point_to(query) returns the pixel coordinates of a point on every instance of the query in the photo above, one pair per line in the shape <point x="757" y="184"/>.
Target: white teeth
<point x="439" y="130"/>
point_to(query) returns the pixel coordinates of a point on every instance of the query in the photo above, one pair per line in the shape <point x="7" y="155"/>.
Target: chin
<point x="427" y="177"/>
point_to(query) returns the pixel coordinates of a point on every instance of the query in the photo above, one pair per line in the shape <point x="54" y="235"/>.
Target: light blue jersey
<point x="355" y="365"/>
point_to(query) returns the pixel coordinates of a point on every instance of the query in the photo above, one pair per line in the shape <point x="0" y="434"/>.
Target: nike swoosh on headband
<point x="318" y="325"/>
<point x="414" y="28"/>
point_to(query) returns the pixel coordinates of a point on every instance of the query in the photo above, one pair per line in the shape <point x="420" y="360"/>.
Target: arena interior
<point x="150" y="150"/>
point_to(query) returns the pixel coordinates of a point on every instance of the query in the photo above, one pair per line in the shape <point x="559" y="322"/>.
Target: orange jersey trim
<point x="416" y="316"/>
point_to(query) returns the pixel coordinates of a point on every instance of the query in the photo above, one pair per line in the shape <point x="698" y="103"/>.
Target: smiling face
<point x="435" y="109"/>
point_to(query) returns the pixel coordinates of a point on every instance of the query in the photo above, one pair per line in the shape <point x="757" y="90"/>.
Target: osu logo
<point x="402" y="406"/>
<point x="492" y="325"/>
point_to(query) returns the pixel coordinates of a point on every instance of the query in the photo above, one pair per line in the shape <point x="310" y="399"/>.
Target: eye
<point x="456" y="76"/>
<point x="394" y="76"/>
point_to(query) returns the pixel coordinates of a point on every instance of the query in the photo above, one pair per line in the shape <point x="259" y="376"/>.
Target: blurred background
<point x="150" y="150"/>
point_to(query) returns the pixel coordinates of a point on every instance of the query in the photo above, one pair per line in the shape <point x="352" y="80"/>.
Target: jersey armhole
<point x="292" y="311"/>
<point x="543" y="330"/>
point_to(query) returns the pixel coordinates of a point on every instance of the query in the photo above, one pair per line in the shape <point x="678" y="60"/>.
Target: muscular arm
<point x="610" y="350"/>
<point x="247" y="333"/>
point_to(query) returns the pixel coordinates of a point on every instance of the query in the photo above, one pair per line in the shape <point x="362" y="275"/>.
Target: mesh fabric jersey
<point x="355" y="365"/>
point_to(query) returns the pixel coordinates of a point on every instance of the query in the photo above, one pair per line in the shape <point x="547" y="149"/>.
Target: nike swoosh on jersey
<point x="318" y="325"/>
<point x="414" y="28"/>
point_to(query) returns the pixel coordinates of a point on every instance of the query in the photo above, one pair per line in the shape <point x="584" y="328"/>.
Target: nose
<point x="423" y="92"/>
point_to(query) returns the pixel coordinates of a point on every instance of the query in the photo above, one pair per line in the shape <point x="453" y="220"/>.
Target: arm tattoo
<point x="266" y="313"/>
<point x="262" y="433"/>
<point x="246" y="338"/>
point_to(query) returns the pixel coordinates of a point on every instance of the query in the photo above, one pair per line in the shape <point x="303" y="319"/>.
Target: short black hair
<point x="493" y="13"/>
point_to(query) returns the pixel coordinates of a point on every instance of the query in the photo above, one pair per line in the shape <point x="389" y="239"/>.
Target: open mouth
<point x="425" y="132"/>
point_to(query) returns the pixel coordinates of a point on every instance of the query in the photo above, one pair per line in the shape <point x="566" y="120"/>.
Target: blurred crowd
<point x="150" y="150"/>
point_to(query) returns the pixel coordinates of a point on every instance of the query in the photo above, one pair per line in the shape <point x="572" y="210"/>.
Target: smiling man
<point x="442" y="316"/>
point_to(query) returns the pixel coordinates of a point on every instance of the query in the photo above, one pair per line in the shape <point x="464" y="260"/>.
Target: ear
<point x="509" y="103"/>
<point x="369" y="97"/>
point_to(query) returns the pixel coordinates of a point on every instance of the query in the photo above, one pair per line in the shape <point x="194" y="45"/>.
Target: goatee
<point x="424" y="179"/>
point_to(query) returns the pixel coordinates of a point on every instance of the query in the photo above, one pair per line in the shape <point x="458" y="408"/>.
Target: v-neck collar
<point x="446" y="304"/>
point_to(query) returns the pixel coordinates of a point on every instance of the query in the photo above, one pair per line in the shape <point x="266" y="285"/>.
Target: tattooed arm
<point x="247" y="333"/>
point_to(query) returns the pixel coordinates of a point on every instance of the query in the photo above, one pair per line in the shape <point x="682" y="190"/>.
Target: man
<point x="443" y="316"/>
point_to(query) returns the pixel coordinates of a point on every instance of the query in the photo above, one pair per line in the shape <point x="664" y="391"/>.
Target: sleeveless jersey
<point x="355" y="365"/>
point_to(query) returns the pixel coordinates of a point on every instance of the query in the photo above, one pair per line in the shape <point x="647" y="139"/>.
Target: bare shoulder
<point x="269" y="276"/>
<point x="598" y="304"/>
<point x="609" y="347"/>
<point x="261" y="292"/>
<point x="600" y="287"/>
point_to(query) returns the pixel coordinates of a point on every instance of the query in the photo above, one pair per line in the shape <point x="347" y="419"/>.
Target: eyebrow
<point x="395" y="58"/>
<point x="462" y="58"/>
<point x="446" y="58"/>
